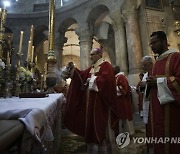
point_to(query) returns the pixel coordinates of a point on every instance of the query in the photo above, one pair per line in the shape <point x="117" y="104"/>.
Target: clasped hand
<point x="151" y="81"/>
<point x="87" y="82"/>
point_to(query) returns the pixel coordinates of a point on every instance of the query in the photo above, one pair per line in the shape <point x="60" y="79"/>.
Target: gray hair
<point x="147" y="58"/>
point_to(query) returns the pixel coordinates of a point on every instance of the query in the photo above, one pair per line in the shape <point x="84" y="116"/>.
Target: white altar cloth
<point x="33" y="112"/>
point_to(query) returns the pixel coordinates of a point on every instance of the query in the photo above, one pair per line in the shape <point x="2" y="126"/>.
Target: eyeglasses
<point x="92" y="54"/>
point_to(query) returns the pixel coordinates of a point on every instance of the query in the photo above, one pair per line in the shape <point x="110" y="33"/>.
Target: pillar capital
<point x="84" y="34"/>
<point x="129" y="12"/>
<point x="118" y="21"/>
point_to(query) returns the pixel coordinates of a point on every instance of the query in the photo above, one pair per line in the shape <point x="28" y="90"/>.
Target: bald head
<point x="95" y="55"/>
<point x="147" y="63"/>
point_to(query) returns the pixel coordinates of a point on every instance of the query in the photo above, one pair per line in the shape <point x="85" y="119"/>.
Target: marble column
<point x="133" y="38"/>
<point x="85" y="41"/>
<point x="120" y="41"/>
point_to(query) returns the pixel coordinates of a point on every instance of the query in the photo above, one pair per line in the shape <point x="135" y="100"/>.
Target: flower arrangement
<point x="25" y="74"/>
<point x="29" y="75"/>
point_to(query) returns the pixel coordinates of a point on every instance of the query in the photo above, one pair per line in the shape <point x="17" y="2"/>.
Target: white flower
<point x="29" y="75"/>
<point x="2" y="64"/>
<point x="22" y="73"/>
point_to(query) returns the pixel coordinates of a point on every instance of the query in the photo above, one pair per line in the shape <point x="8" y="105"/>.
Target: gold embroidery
<point x="172" y="78"/>
<point x="161" y="57"/>
<point x="95" y="68"/>
<point x="175" y="84"/>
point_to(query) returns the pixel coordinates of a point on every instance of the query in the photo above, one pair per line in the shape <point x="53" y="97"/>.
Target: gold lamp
<point x="177" y="26"/>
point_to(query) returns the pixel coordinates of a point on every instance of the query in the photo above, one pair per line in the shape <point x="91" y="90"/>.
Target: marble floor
<point x="73" y="144"/>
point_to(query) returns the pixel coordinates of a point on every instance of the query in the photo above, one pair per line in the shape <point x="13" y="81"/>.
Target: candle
<point x="30" y="43"/>
<point x="20" y="42"/>
<point x="29" y="51"/>
<point x="32" y="33"/>
<point x="35" y="60"/>
<point x="42" y="76"/>
<point x="46" y="47"/>
<point x="45" y="70"/>
<point x="8" y="59"/>
<point x="32" y="54"/>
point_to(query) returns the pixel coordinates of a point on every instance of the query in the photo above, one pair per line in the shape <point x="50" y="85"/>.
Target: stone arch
<point x="97" y="25"/>
<point x="66" y="27"/>
<point x="40" y="36"/>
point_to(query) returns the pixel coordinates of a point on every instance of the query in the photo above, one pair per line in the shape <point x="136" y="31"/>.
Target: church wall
<point x="149" y="20"/>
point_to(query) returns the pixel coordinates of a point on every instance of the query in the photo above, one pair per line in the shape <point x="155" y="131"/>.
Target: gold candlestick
<point x="51" y="54"/>
<point x="51" y="60"/>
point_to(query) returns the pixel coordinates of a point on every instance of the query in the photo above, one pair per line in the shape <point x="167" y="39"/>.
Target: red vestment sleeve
<point x="122" y="84"/>
<point x="75" y="111"/>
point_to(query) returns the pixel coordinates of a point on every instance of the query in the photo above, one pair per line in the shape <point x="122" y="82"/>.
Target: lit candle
<point x="20" y="43"/>
<point x="32" y="54"/>
<point x="45" y="70"/>
<point x="29" y="55"/>
<point x="32" y="33"/>
<point x="29" y="51"/>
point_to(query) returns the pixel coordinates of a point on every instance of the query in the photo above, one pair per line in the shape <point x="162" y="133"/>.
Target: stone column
<point x="120" y="41"/>
<point x="134" y="47"/>
<point x="60" y="40"/>
<point x="133" y="37"/>
<point x="85" y="41"/>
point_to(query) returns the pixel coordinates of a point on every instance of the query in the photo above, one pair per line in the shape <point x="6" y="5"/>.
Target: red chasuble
<point x="87" y="111"/>
<point x="164" y="119"/>
<point x="124" y="100"/>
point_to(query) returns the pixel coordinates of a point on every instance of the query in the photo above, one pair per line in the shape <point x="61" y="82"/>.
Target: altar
<point x="41" y="118"/>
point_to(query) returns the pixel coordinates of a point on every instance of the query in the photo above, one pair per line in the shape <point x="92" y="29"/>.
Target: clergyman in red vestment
<point x="124" y="102"/>
<point x="91" y="104"/>
<point x="164" y="96"/>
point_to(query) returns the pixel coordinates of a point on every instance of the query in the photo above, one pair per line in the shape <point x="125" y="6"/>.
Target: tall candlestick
<point x="20" y="42"/>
